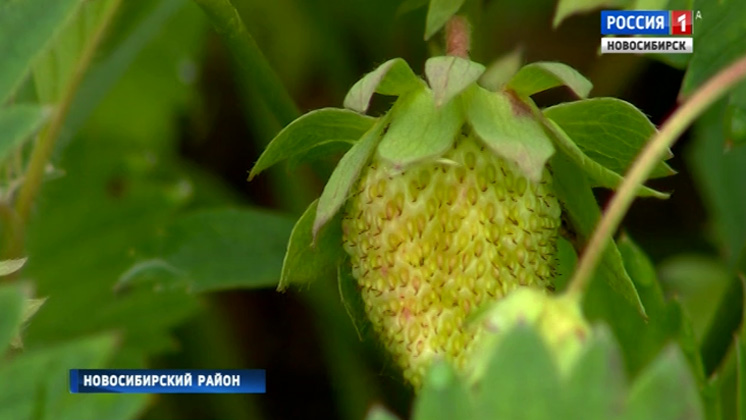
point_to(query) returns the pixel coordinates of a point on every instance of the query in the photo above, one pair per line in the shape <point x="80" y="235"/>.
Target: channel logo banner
<point x="635" y="22"/>
<point x="167" y="381"/>
<point x="666" y="45"/>
<point x="646" y="22"/>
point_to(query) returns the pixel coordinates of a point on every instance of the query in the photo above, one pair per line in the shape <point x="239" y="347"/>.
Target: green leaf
<point x="419" y="130"/>
<point x="443" y="396"/>
<point x="652" y="5"/>
<point x="217" y="249"/>
<point x="17" y="124"/>
<point x="309" y="131"/>
<point x="614" y="272"/>
<point x="125" y="192"/>
<point x="610" y="131"/>
<point x="325" y="149"/>
<point x="596" y="387"/>
<point x="575" y="194"/>
<point x="642" y="340"/>
<point x="665" y="391"/>
<point x="30" y="308"/>
<point x="641" y="269"/>
<point x="134" y="198"/>
<point x="540" y="76"/>
<point x="741" y="355"/>
<point x="699" y="282"/>
<point x="735" y="117"/>
<point x="574" y="191"/>
<point x="509" y="130"/>
<point x="35" y="384"/>
<point x="393" y="77"/>
<point x="601" y="176"/>
<point x="21" y="42"/>
<point x="11" y="314"/>
<point x="438" y="14"/>
<point x="719" y="173"/>
<point x="123" y="58"/>
<point x="520" y="370"/>
<point x="352" y="299"/>
<point x="307" y="259"/>
<point x="500" y="71"/>
<point x="566" y="8"/>
<point x="346" y="174"/>
<point x="567" y="258"/>
<point x="691" y="348"/>
<point x="449" y="76"/>
<point x="11" y="266"/>
<point x="54" y="70"/>
<point x="719" y="37"/>
<point x="408" y="6"/>
<point x="741" y="364"/>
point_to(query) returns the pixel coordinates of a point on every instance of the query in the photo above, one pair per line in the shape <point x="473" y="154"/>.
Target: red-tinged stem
<point x="458" y="37"/>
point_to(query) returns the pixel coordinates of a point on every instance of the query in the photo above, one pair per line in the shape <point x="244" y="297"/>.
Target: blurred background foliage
<point x="153" y="250"/>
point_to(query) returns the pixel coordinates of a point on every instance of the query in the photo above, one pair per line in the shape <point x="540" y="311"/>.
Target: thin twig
<point x="228" y="23"/>
<point x="44" y="145"/>
<point x="653" y="152"/>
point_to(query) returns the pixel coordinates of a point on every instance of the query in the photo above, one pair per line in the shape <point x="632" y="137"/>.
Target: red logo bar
<point x="681" y="22"/>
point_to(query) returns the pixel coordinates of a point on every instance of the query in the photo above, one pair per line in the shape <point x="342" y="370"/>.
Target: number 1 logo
<point x="681" y="22"/>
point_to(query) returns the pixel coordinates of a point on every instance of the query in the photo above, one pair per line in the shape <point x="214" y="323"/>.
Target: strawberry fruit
<point x="447" y="201"/>
<point x="430" y="244"/>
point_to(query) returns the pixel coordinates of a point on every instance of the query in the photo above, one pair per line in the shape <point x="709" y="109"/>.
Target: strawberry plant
<point x="475" y="233"/>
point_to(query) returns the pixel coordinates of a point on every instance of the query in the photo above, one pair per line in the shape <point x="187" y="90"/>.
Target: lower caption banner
<point x="168" y="381"/>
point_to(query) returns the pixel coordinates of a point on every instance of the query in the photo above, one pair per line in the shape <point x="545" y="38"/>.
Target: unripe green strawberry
<point x="447" y="198"/>
<point x="431" y="243"/>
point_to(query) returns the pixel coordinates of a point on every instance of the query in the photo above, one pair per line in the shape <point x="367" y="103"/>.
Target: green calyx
<point x="426" y="119"/>
<point x="506" y="120"/>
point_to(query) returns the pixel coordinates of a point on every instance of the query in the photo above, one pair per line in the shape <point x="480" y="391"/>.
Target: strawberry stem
<point x="228" y="23"/>
<point x="458" y="37"/>
<point x="653" y="152"/>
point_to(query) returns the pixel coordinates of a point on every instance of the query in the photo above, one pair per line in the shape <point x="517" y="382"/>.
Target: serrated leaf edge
<point x="572" y="151"/>
<point x="551" y="68"/>
<point x="260" y="164"/>
<point x="359" y="96"/>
